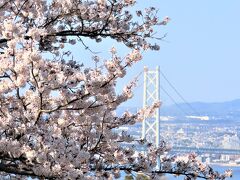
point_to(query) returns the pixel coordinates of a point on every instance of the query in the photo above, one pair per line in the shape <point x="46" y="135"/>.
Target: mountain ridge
<point x="205" y="108"/>
<point x="226" y="108"/>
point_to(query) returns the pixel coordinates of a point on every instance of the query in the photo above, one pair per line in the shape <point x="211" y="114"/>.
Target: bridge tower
<point x="151" y="94"/>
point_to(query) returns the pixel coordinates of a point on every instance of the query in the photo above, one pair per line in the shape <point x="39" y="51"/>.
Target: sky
<point x="200" y="55"/>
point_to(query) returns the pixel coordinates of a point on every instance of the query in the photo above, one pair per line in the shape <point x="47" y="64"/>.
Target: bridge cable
<point x="165" y="91"/>
<point x="173" y="100"/>
<point x="178" y="93"/>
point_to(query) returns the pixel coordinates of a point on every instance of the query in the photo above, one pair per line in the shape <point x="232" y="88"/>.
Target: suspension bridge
<point x="151" y="126"/>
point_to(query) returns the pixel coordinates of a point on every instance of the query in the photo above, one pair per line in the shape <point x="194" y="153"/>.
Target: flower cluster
<point x="57" y="117"/>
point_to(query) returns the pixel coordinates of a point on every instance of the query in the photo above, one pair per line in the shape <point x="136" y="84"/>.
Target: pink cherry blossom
<point x="58" y="117"/>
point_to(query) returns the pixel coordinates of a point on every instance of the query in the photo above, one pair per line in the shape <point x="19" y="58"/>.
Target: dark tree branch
<point x="15" y="169"/>
<point x="139" y="169"/>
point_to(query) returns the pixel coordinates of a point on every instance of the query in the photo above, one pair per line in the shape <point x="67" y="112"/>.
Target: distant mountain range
<point x="200" y="108"/>
<point x="220" y="110"/>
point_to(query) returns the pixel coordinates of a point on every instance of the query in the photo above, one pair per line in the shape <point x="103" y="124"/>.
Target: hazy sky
<point x="201" y="53"/>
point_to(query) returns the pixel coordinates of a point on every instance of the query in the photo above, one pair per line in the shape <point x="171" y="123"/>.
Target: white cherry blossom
<point x="57" y="117"/>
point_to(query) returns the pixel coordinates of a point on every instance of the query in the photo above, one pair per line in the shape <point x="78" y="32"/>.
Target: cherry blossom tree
<point x="57" y="117"/>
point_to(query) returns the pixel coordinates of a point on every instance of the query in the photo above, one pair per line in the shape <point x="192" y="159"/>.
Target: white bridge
<point x="151" y="125"/>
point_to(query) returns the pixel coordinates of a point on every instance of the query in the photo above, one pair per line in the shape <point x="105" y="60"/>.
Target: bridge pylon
<point x="151" y="94"/>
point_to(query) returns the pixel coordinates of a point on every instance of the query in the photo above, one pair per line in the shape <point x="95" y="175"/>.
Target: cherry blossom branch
<point x="137" y="169"/>
<point x="2" y="6"/>
<point x="101" y="135"/>
<point x="14" y="169"/>
<point x="58" y="117"/>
